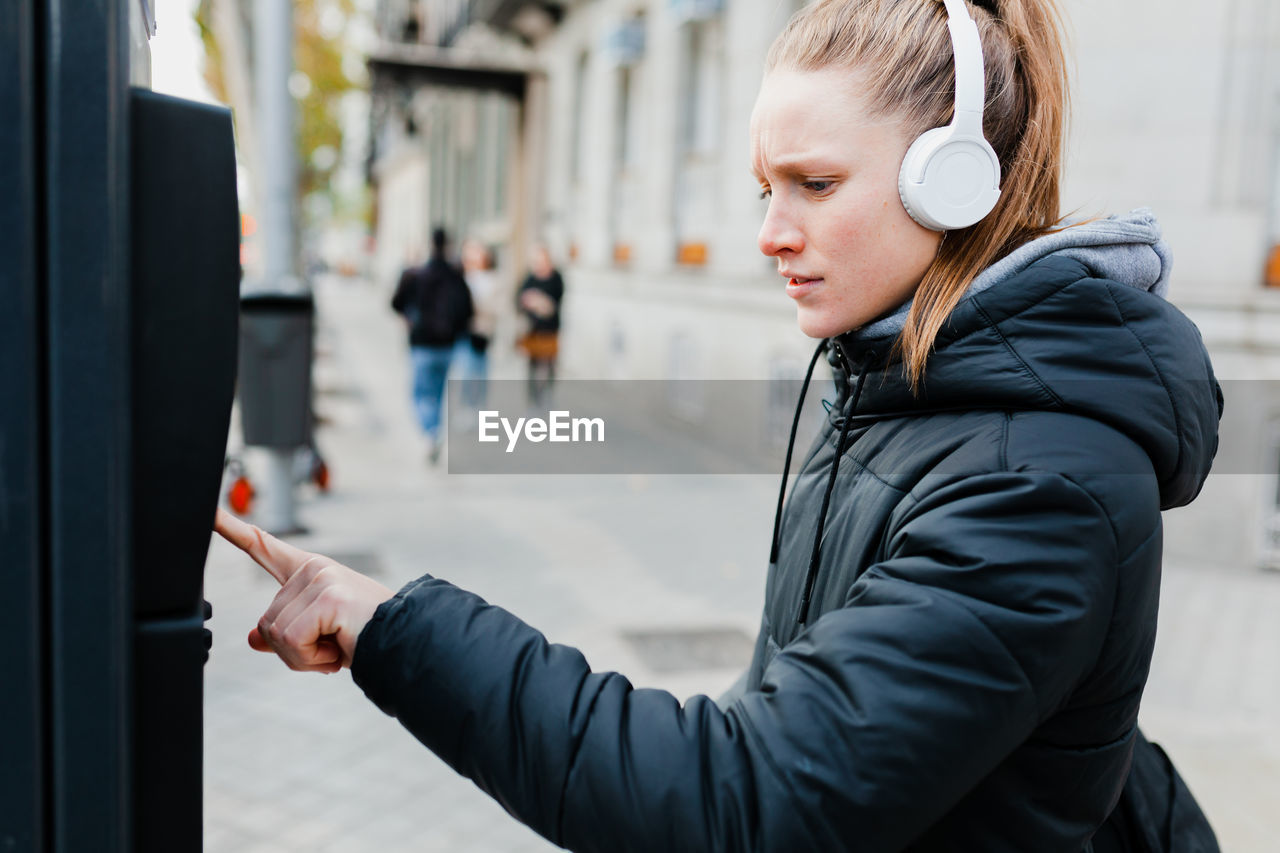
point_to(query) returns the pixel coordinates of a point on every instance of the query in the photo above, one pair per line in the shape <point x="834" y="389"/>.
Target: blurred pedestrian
<point x="963" y="586"/>
<point x="436" y="305"/>
<point x="472" y="354"/>
<point x="539" y="303"/>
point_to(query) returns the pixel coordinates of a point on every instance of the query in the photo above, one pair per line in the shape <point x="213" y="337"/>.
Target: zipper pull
<point x="844" y="360"/>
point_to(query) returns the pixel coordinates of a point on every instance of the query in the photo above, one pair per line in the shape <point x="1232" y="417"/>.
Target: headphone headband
<point x="950" y="177"/>
<point x="971" y="96"/>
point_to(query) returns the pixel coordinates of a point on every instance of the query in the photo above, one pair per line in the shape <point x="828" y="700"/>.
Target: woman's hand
<point x="537" y="303"/>
<point x="322" y="606"/>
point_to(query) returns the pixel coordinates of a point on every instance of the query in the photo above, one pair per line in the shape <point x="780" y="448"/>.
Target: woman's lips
<point x="799" y="287"/>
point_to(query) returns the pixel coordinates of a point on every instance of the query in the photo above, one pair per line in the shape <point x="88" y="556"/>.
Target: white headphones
<point x="950" y="177"/>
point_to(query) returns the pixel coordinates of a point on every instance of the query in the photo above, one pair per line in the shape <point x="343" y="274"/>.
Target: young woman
<point x="538" y="301"/>
<point x="962" y="595"/>
<point x="472" y="351"/>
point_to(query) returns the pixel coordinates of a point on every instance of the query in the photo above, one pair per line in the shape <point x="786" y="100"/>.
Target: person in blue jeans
<point x="437" y="307"/>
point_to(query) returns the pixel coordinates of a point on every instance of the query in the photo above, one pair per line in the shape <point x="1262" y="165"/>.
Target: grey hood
<point x="1126" y="248"/>
<point x="1069" y="323"/>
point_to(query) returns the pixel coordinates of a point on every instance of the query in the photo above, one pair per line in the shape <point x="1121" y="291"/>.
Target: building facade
<point x="452" y="111"/>
<point x="626" y="150"/>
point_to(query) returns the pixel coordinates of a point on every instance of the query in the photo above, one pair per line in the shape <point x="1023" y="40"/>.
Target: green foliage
<point x="319" y="84"/>
<point x="212" y="52"/>
<point x="319" y="57"/>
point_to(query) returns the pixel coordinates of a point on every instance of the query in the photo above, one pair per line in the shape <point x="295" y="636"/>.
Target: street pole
<point x="273" y="58"/>
<point x="277" y="183"/>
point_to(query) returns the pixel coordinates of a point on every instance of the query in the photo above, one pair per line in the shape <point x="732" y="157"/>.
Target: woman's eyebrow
<point x="803" y="164"/>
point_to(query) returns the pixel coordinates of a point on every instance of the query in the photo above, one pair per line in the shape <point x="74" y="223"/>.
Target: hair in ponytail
<point x="901" y="54"/>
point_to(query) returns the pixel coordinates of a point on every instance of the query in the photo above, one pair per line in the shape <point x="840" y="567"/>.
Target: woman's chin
<point x="817" y="324"/>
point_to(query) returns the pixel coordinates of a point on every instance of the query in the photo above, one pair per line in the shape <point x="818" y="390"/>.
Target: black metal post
<point x="23" y="794"/>
<point x="84" y="183"/>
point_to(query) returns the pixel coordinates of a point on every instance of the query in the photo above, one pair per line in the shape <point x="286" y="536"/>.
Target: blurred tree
<point x="320" y="81"/>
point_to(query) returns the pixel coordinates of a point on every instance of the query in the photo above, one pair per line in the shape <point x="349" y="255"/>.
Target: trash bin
<point x="276" y="335"/>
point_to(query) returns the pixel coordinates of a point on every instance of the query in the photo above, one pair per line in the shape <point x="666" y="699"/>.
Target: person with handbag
<point x="539" y="302"/>
<point x="963" y="584"/>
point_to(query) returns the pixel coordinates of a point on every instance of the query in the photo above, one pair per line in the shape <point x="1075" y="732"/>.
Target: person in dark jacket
<point x="961" y="602"/>
<point x="437" y="307"/>
<point x="539" y="300"/>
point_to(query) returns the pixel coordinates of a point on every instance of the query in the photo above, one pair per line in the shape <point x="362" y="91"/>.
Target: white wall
<point x="1176" y="108"/>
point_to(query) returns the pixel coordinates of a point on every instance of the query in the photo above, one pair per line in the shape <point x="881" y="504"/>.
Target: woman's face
<point x="540" y="262"/>
<point x="846" y="246"/>
<point x="472" y="255"/>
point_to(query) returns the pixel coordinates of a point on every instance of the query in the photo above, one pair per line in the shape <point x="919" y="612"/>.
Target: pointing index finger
<point x="280" y="559"/>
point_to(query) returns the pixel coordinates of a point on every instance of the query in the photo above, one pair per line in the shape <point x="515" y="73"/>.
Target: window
<point x="700" y="121"/>
<point x="579" y="112"/>
<point x="624" y="50"/>
<point x="624" y="150"/>
<point x="698" y="160"/>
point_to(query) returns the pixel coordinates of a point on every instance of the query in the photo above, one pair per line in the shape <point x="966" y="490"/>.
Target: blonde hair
<point x="901" y="51"/>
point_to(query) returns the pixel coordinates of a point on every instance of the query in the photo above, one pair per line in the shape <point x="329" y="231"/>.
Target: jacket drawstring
<point x="816" y="556"/>
<point x="791" y="443"/>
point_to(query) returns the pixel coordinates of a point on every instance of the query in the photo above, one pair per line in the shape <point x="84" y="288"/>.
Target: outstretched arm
<point x="868" y="728"/>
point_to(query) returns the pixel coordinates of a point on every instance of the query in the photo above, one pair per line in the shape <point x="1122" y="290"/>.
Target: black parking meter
<point x="186" y="274"/>
<point x="119" y="234"/>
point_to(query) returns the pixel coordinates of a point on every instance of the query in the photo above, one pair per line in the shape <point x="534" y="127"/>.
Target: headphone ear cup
<point x="911" y="187"/>
<point x="949" y="180"/>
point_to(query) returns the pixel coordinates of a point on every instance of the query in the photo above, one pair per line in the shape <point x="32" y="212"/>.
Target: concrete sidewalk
<point x="305" y="763"/>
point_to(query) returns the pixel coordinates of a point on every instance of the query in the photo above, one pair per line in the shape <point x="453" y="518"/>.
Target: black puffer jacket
<point x="981" y="619"/>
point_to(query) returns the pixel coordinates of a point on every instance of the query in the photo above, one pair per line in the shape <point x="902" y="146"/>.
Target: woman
<point x="539" y="302"/>
<point x="472" y="350"/>
<point x="961" y="602"/>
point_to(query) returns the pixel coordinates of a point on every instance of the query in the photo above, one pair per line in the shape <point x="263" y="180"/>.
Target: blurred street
<point x="304" y="763"/>
<point x="298" y="763"/>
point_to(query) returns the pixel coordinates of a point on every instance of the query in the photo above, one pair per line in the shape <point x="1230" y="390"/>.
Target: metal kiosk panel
<point x="185" y="302"/>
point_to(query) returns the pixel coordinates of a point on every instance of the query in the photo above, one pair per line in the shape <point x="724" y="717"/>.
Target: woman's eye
<point x="818" y="186"/>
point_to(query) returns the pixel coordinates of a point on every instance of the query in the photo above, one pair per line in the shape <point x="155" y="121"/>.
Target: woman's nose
<point x="779" y="233"/>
